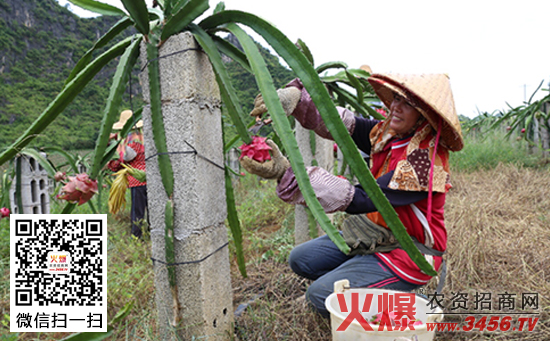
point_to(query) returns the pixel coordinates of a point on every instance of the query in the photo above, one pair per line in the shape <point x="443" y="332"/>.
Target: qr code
<point x="58" y="274"/>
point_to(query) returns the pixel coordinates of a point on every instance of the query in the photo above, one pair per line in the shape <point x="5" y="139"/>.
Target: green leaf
<point x="92" y="206"/>
<point x="155" y="13"/>
<point x="161" y="3"/>
<point x="120" y="79"/>
<point x="18" y="196"/>
<point x="5" y="186"/>
<point x="68" y="208"/>
<point x="178" y="5"/>
<point x="331" y="65"/>
<point x="167" y="6"/>
<point x="234" y="223"/>
<point x="117" y="28"/>
<point x="312" y="224"/>
<point x="536" y="90"/>
<point x="318" y="92"/>
<point x="128" y="126"/>
<point x="189" y="12"/>
<point x="70" y="159"/>
<point x="98" y="7"/>
<point x="344" y="97"/>
<point x="233" y="142"/>
<point x="232" y="52"/>
<point x="157" y="121"/>
<point x="364" y="109"/>
<point x="358" y="87"/>
<point x="305" y="50"/>
<point x="122" y="313"/>
<point x="220" y="6"/>
<point x="169" y="241"/>
<point x="139" y="14"/>
<point x="359" y="73"/>
<point x="284" y="131"/>
<point x="227" y="90"/>
<point x="64" y="98"/>
<point x="43" y="161"/>
<point x="342" y="76"/>
<point x="528" y="120"/>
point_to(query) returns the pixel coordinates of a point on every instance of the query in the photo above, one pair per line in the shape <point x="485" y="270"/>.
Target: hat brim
<point x="120" y="125"/>
<point x="385" y="89"/>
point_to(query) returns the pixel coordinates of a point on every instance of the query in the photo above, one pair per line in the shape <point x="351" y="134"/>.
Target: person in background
<point x="409" y="157"/>
<point x="131" y="151"/>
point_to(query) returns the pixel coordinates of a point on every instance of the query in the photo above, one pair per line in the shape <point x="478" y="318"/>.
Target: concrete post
<point x="192" y="117"/>
<point x="35" y="186"/>
<point x="535" y="137"/>
<point x="545" y="134"/>
<point x="232" y="160"/>
<point x="324" y="154"/>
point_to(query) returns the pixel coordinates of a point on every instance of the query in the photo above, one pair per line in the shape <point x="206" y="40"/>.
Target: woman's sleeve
<point x="334" y="193"/>
<point x="361" y="134"/>
<point x="361" y="203"/>
<point x="337" y="194"/>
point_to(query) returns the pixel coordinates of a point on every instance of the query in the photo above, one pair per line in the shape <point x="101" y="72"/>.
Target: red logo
<point x="395" y="311"/>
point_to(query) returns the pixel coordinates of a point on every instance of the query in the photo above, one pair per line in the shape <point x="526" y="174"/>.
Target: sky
<point x="495" y="52"/>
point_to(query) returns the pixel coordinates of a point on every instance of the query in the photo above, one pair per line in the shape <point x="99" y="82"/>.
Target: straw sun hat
<point x="124" y="117"/>
<point x="428" y="93"/>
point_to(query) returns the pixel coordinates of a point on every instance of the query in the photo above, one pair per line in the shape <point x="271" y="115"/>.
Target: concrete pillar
<point x="545" y="134"/>
<point x="192" y="115"/>
<point x="232" y="160"/>
<point x="324" y="154"/>
<point x="35" y="185"/>
<point x="535" y="137"/>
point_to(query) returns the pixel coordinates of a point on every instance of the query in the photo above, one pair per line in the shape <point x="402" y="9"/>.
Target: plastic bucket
<point x="356" y="332"/>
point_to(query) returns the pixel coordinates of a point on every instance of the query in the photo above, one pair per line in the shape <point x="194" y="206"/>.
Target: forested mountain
<point x="40" y="43"/>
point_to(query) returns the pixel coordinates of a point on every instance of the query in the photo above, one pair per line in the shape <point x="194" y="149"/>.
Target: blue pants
<point x="321" y="260"/>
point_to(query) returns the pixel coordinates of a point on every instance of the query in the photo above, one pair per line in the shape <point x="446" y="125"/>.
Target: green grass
<point x="487" y="151"/>
<point x="267" y="222"/>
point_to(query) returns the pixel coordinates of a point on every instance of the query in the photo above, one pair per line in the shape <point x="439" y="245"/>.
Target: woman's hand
<point x="273" y="169"/>
<point x="289" y="98"/>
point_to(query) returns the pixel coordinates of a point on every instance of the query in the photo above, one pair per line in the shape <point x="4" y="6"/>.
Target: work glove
<point x="273" y="169"/>
<point x="289" y="98"/>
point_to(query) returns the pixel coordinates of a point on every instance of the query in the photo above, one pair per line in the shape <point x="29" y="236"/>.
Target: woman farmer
<point x="409" y="157"/>
<point x="131" y="151"/>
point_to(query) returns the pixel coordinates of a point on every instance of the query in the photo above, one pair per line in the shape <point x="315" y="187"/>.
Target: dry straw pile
<point x="499" y="242"/>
